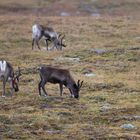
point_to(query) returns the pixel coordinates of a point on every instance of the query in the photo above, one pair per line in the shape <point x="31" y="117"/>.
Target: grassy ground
<point x="109" y="47"/>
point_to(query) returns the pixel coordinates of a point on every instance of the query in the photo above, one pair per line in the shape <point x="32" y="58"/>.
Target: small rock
<point x="64" y="14"/>
<point x="138" y="37"/>
<point x="78" y="12"/>
<point x="98" y="51"/>
<point x="89" y="74"/>
<point x="105" y="107"/>
<point x="137" y="117"/>
<point x="134" y="48"/>
<point x="95" y="15"/>
<point x="68" y="59"/>
<point x="127" y="126"/>
<point x="87" y="70"/>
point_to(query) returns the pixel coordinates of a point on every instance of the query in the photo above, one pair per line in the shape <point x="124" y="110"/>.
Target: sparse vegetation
<point x="107" y="46"/>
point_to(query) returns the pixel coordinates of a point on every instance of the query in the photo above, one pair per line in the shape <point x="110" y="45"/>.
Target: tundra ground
<point x="107" y="47"/>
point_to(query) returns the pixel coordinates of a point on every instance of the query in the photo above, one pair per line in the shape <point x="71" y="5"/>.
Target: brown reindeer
<point x="7" y="74"/>
<point x="39" y="31"/>
<point x="58" y="76"/>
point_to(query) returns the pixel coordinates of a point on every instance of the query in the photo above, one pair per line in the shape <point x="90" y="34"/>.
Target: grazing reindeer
<point x="7" y="74"/>
<point x="60" y="76"/>
<point x="39" y="31"/>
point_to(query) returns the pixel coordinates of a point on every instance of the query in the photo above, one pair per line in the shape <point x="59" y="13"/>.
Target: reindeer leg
<point x="61" y="48"/>
<point x="33" y="43"/>
<point x="54" y="45"/>
<point x="42" y="85"/>
<point x="47" y="40"/>
<point x="44" y="90"/>
<point x="39" y="88"/>
<point x="38" y="44"/>
<point x="57" y="48"/>
<point x="52" y="48"/>
<point x="11" y="87"/>
<point x="4" y="83"/>
<point x="61" y="88"/>
<point x="46" y="43"/>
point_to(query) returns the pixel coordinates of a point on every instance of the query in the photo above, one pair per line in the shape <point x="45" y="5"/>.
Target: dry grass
<point x="116" y="81"/>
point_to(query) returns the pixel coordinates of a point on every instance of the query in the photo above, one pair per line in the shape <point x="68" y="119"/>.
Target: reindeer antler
<point x="18" y="74"/>
<point x="19" y="71"/>
<point x="59" y="35"/>
<point x="79" y="84"/>
<point x="62" y="41"/>
<point x="62" y="37"/>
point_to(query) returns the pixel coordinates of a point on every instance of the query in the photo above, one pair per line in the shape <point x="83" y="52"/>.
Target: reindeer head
<point x="59" y="42"/>
<point x="76" y="89"/>
<point x="16" y="80"/>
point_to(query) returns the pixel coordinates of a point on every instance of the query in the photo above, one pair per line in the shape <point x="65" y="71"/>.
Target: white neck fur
<point x="3" y="65"/>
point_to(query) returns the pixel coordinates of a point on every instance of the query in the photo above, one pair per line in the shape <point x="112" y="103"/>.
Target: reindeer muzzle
<point x="76" y="96"/>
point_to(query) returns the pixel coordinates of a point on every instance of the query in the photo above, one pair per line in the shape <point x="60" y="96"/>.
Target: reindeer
<point x="7" y="74"/>
<point x="58" y="76"/>
<point x="39" y="31"/>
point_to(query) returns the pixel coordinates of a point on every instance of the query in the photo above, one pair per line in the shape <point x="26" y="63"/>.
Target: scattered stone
<point x="127" y="126"/>
<point x="128" y="118"/>
<point x="95" y="15"/>
<point x="138" y="37"/>
<point x="78" y="13"/>
<point x="93" y="0"/>
<point x="98" y="51"/>
<point x="68" y="59"/>
<point x="137" y="117"/>
<point x="87" y="70"/>
<point x="90" y="74"/>
<point x="64" y="14"/>
<point x="108" y="86"/>
<point x="133" y="48"/>
<point x="105" y="107"/>
<point x="53" y="131"/>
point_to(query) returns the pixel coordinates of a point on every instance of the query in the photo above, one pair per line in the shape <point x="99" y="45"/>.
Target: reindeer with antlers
<point x="7" y="74"/>
<point x="39" y="31"/>
<point x="58" y="76"/>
